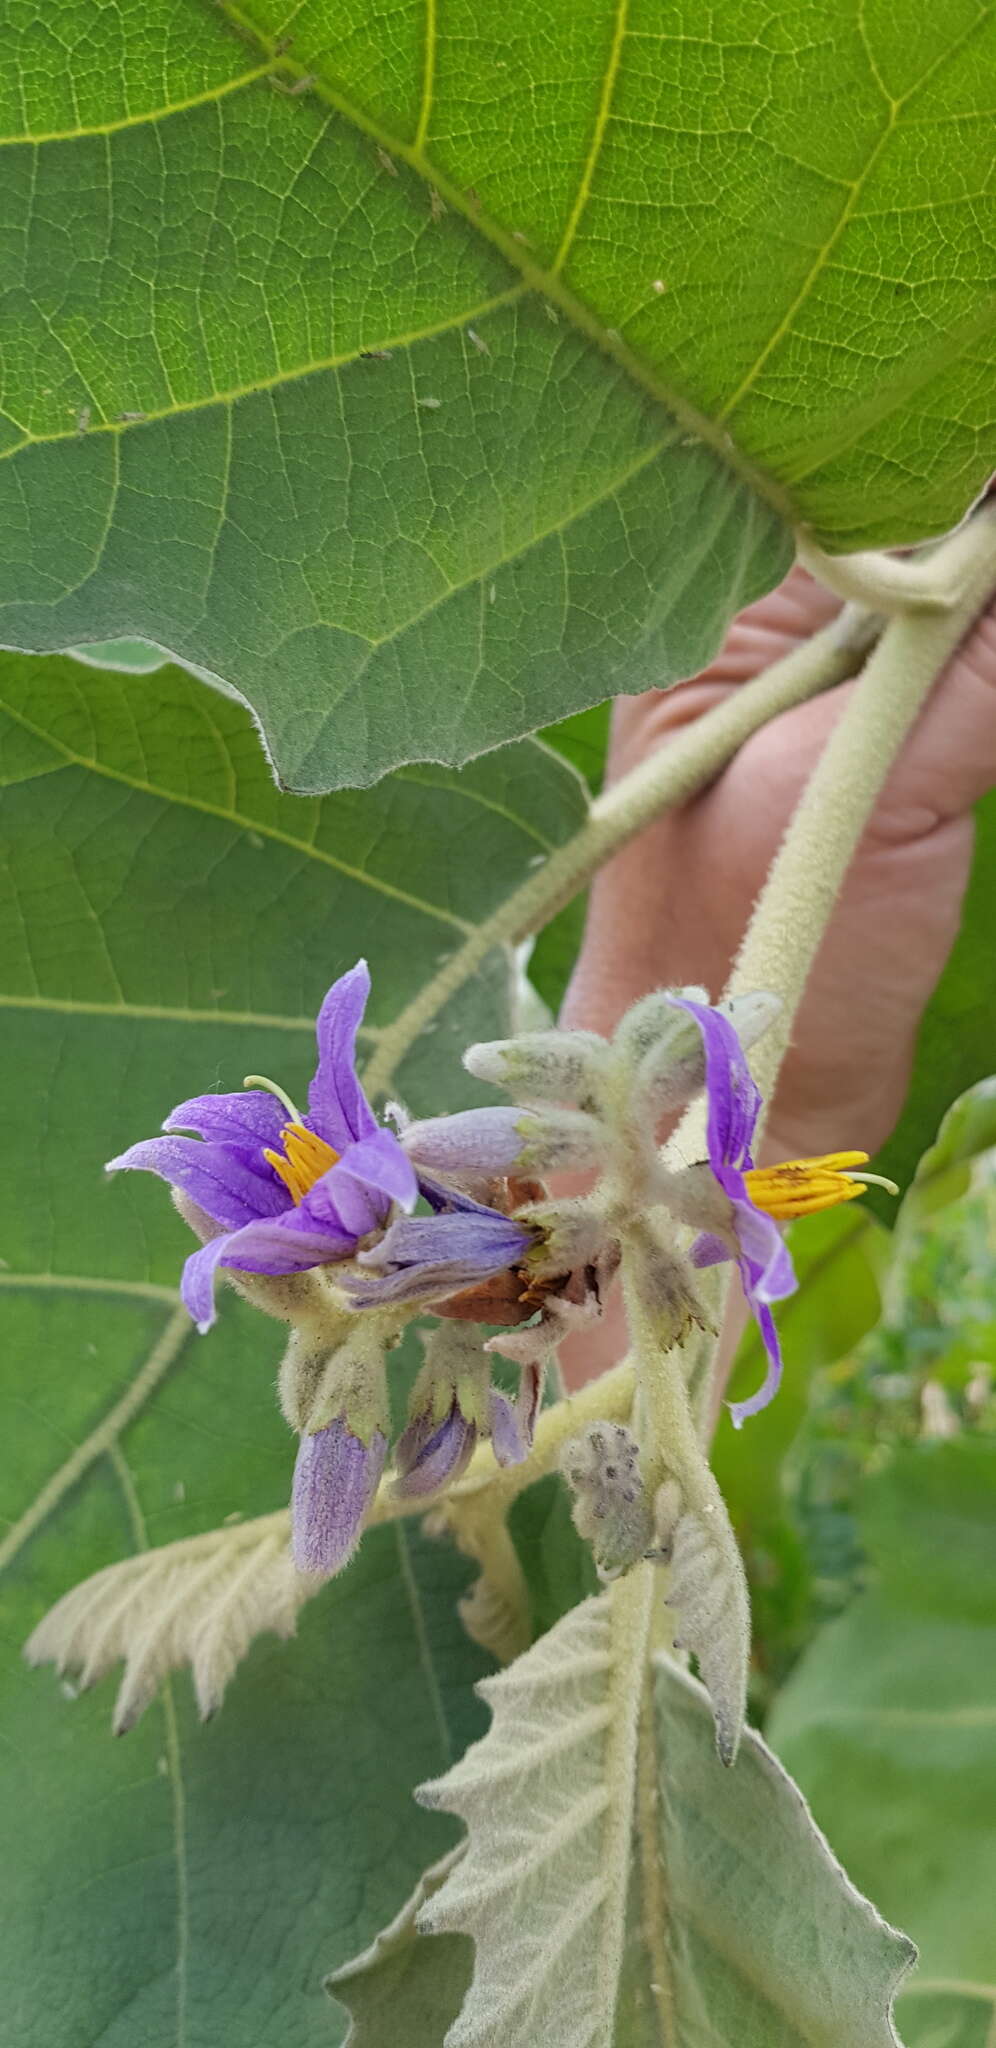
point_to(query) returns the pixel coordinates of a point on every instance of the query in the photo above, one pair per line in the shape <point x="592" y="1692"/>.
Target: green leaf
<point x="888" y="1721"/>
<point x="955" y="1044"/>
<point x="188" y="1875"/>
<point x="620" y="1884"/>
<point x="402" y="1988"/>
<point x="558" y="1565"/>
<point x="170" y="922"/>
<point x="430" y="384"/>
<point x="136" y="811"/>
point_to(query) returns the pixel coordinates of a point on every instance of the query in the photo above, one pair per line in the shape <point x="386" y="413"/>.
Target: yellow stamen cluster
<point x="307" y="1158"/>
<point x="799" y="1187"/>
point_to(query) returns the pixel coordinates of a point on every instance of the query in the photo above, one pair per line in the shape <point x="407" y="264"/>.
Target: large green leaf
<point x="429" y="375"/>
<point x="626" y="1895"/>
<point x="888" y="1725"/>
<point x="170" y="922"/>
<point x="192" y="1882"/>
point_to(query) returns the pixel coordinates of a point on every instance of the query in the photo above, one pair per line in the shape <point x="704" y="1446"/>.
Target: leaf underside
<point x="728" y="1939"/>
<point x="430" y="377"/>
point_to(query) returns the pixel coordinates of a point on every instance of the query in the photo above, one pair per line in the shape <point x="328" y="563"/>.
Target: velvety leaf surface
<point x="722" y="1943"/>
<point x="888" y="1723"/>
<point x="170" y="922"/>
<point x="431" y="376"/>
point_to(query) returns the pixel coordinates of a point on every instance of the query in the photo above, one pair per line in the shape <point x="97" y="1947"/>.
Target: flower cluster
<point x="312" y="1216"/>
<point x="328" y="1195"/>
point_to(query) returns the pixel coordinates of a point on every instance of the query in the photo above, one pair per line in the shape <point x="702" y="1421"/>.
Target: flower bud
<point x="650" y="1020"/>
<point x="543" y="1066"/>
<point x="502" y="1141"/>
<point x="429" y="1455"/>
<point x="612" y="1510"/>
<point x="513" y="1423"/>
<point x="448" y="1409"/>
<point x="335" y="1479"/>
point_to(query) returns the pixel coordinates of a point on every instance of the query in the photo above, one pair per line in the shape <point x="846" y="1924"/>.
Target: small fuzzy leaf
<point x="547" y="1797"/>
<point x="200" y="1602"/>
<point x="621" y="1888"/>
<point x="708" y="1592"/>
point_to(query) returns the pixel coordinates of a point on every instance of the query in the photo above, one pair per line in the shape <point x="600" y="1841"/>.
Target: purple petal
<point x="448" y="1201"/>
<point x="280" y="1244"/>
<point x="485" y="1240"/>
<point x="427" y="1459"/>
<point x="739" y="1410"/>
<point x="762" y="1246"/>
<point x="709" y="1250"/>
<point x="252" y="1118"/>
<point x="339" y="1110"/>
<point x="513" y="1422"/>
<point x="438" y="1255"/>
<point x="335" y="1479"/>
<point x="379" y="1165"/>
<point x="733" y="1098"/>
<point x="485" y="1141"/>
<point x="411" y="1283"/>
<point x="355" y="1195"/>
<point x="224" y="1180"/>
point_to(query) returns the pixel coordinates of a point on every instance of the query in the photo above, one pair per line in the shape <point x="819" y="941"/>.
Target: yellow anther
<point x="304" y="1159"/>
<point x="800" y="1187"/>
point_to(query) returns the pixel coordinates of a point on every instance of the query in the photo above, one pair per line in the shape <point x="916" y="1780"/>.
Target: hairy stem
<point x="794" y="908"/>
<point x="669" y="777"/>
<point x="668" y="1440"/>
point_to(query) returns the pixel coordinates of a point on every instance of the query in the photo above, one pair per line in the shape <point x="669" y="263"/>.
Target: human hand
<point x="673" y="905"/>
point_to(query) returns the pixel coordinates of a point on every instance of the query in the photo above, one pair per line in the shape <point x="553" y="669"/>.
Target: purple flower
<point x="288" y="1192"/>
<point x="753" y="1239"/>
<point x="423" y="1258"/>
<point x="335" y="1479"/>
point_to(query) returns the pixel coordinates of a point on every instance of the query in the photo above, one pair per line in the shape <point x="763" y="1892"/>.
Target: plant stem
<point x="794" y="908"/>
<point x="668" y="1439"/>
<point x="668" y="777"/>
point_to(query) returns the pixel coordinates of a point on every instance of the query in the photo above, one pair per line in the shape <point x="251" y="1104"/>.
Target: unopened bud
<point x="651" y="1020"/>
<point x="543" y="1066"/>
<point x="448" y="1410"/>
<point x="611" y="1506"/>
<point x="501" y="1141"/>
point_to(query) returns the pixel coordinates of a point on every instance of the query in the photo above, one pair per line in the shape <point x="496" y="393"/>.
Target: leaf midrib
<point x="546" y="282"/>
